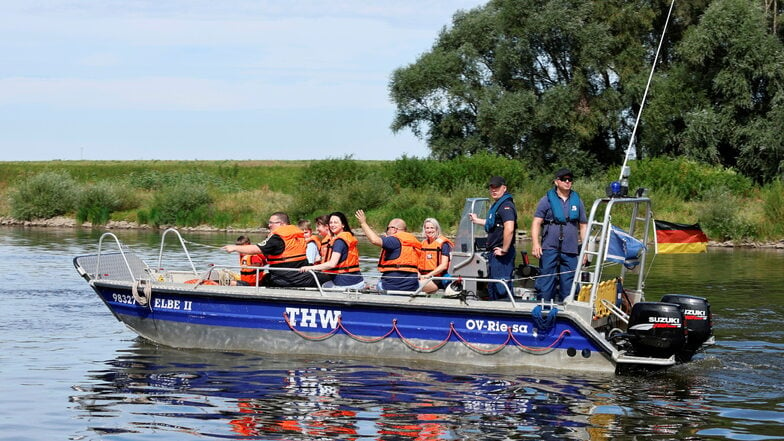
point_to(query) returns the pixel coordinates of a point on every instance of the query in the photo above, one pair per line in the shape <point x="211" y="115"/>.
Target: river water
<point x="69" y="370"/>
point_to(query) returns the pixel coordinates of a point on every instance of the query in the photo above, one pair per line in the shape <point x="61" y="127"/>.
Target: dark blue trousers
<point x="501" y="267"/>
<point x="551" y="285"/>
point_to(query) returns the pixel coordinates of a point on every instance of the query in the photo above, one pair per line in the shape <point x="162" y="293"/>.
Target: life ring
<point x="143" y="297"/>
<point x="202" y="282"/>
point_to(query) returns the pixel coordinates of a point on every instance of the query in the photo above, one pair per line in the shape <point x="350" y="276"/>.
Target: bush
<point x="773" y="208"/>
<point x="96" y="202"/>
<point x="332" y="173"/>
<point x="182" y="204"/>
<point x="311" y="203"/>
<point x="446" y="175"/>
<point x="248" y="208"/>
<point x="367" y="194"/>
<point x="687" y="179"/>
<point x="721" y="219"/>
<point x="43" y="196"/>
<point x="414" y="172"/>
<point x="154" y="179"/>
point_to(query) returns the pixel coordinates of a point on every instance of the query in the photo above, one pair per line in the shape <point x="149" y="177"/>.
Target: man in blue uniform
<point x="500" y="225"/>
<point x="558" y="227"/>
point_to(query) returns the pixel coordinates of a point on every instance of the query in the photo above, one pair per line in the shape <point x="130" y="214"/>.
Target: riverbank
<point x="66" y="222"/>
<point x="232" y="194"/>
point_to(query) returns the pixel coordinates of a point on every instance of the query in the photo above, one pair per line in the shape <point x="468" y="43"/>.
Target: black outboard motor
<point x="698" y="320"/>
<point x="656" y="329"/>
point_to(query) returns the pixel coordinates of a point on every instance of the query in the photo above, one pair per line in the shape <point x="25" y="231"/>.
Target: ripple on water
<point x="69" y="366"/>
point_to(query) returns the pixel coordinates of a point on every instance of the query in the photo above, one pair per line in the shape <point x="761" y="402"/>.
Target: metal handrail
<point x="615" y="310"/>
<point x="474" y="279"/>
<point x="470" y="253"/>
<point x="182" y="242"/>
<point x="122" y="253"/>
<point x="603" y="226"/>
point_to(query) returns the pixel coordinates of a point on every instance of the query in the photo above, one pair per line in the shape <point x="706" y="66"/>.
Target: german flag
<point x="679" y="238"/>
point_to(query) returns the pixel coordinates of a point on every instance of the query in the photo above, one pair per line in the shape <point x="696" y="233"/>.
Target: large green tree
<point x="722" y="100"/>
<point x="542" y="81"/>
<point x="559" y="82"/>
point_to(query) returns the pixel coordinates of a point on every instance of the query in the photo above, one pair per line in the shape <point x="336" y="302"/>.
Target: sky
<point x="209" y="79"/>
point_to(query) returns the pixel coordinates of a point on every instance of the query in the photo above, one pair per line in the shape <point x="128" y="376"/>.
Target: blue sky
<point x="208" y="79"/>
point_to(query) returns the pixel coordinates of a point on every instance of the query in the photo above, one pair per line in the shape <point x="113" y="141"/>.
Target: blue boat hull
<point x="356" y="325"/>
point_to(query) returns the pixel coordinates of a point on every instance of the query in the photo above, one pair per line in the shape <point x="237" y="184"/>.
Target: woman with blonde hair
<point x="434" y="259"/>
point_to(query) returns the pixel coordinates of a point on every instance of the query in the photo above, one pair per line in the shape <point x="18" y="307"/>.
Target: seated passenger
<point x="342" y="258"/>
<point x="250" y="274"/>
<point x="322" y="227"/>
<point x="434" y="260"/>
<point x="312" y="240"/>
<point x="283" y="248"/>
<point x="399" y="258"/>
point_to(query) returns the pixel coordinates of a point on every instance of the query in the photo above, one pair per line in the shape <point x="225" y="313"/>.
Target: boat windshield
<point x="470" y="235"/>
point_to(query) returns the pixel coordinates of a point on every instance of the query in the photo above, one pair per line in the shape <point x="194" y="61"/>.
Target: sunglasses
<point x="566" y="179"/>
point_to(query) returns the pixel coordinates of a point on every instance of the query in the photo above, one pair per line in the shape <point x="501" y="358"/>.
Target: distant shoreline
<point x="67" y="222"/>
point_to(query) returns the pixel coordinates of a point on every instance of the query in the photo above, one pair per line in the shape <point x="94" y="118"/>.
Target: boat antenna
<point x="625" y="171"/>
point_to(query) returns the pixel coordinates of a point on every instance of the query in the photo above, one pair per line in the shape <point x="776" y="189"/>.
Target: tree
<point x="548" y="82"/>
<point x="722" y="101"/>
<point x="560" y="82"/>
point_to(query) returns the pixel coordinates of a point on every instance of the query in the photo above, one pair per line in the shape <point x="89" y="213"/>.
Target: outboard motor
<point x="656" y="329"/>
<point x="698" y="321"/>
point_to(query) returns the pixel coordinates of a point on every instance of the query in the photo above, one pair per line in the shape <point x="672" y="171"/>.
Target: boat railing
<point x="137" y="269"/>
<point x="184" y="248"/>
<point x="501" y="282"/>
<point x="209" y="275"/>
<point x="597" y="244"/>
<point x="226" y="273"/>
<point x="616" y="311"/>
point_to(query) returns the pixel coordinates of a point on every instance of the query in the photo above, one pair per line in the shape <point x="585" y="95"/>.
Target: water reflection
<point x="67" y="364"/>
<point x="246" y="396"/>
<point x="230" y="395"/>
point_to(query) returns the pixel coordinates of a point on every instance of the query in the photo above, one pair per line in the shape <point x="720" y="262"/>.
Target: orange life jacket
<point x="324" y="248"/>
<point x="203" y="282"/>
<point x="249" y="275"/>
<point x="431" y="254"/>
<point x="408" y="260"/>
<point x="294" y="239"/>
<point x="315" y="239"/>
<point x="351" y="264"/>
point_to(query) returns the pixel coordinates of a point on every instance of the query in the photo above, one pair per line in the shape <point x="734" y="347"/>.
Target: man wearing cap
<point x="500" y="225"/>
<point x="558" y="227"/>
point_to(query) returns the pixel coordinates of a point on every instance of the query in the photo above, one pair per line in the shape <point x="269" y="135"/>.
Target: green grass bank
<point x="241" y="194"/>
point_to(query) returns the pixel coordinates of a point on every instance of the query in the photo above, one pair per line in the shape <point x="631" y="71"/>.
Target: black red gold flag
<point x="679" y="238"/>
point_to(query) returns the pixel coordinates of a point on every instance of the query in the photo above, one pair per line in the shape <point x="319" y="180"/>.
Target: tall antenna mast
<point x="624" y="178"/>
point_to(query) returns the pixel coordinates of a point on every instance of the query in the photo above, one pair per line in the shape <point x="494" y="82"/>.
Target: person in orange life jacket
<point x="434" y="260"/>
<point x="500" y="225"/>
<point x="559" y="225"/>
<point x="399" y="258"/>
<point x="250" y="273"/>
<point x="342" y="259"/>
<point x="322" y="227"/>
<point x="313" y="242"/>
<point x="283" y="248"/>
